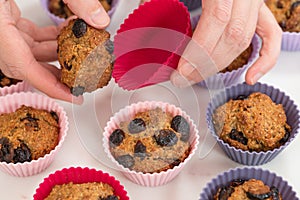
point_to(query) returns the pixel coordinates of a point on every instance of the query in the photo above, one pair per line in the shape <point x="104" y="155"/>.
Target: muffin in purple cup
<point x="268" y="185"/>
<point x="247" y="127"/>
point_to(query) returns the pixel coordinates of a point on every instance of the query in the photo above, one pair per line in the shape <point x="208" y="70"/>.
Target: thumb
<point x="90" y="11"/>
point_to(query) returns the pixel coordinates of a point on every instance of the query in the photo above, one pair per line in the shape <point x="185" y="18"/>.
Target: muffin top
<point x="85" y="56"/>
<point x="287" y="13"/>
<point x="152" y="141"/>
<point x="27" y="134"/>
<point x="247" y="189"/>
<point x="253" y="123"/>
<point x="91" y="191"/>
<point x="60" y="9"/>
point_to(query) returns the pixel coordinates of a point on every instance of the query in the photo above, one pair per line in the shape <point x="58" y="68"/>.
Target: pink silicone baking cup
<point x="10" y="103"/>
<point x="22" y="86"/>
<point x="290" y="41"/>
<point x="149" y="43"/>
<point x="58" y="20"/>
<point x="78" y="175"/>
<point x="126" y="114"/>
<point x="277" y="96"/>
<point x="269" y="178"/>
<point x="221" y="80"/>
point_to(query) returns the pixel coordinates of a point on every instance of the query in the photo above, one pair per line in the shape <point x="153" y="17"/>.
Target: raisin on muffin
<point x="287" y="13"/>
<point x="247" y="189"/>
<point x="60" y="9"/>
<point x="27" y="134"/>
<point x="253" y="123"/>
<point x="152" y="141"/>
<point x="85" y="56"/>
<point x="91" y="191"/>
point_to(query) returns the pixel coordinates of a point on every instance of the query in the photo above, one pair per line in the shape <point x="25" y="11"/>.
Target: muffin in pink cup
<point x="253" y="123"/>
<point x="233" y="73"/>
<point x="58" y="12"/>
<point x="10" y="85"/>
<point x="150" y="42"/>
<point x="25" y="118"/>
<point x="270" y="184"/>
<point x="287" y="14"/>
<point x="89" y="182"/>
<point x="150" y="142"/>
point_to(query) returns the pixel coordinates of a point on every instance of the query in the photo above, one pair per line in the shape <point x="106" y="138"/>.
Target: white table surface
<point x="82" y="146"/>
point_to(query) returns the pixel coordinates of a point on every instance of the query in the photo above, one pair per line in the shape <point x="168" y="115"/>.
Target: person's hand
<point x="91" y="11"/>
<point x="25" y="50"/>
<point x="224" y="30"/>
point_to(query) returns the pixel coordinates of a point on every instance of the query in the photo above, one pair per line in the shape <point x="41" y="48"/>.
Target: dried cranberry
<point x="67" y="67"/>
<point x="126" y="160"/>
<point x="175" y="163"/>
<point x="238" y="136"/>
<point x="54" y="115"/>
<point x="136" y="125"/>
<point x="294" y="6"/>
<point x="236" y="182"/>
<point x="258" y="196"/>
<point x="275" y="193"/>
<point x="110" y="197"/>
<point x="109" y="2"/>
<point x="285" y="137"/>
<point x="180" y="125"/>
<point x="22" y="154"/>
<point x="241" y="97"/>
<point x="78" y="90"/>
<point x="6" y="150"/>
<point x="166" y="137"/>
<point x="225" y="192"/>
<point x="79" y="28"/>
<point x="140" y="150"/>
<point x="116" y="137"/>
<point x="279" y="4"/>
<point x="30" y="122"/>
<point x="282" y="24"/>
<point x="109" y="46"/>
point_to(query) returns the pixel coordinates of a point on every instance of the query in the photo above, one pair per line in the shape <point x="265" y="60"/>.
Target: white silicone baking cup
<point x="220" y="80"/>
<point x="269" y="178"/>
<point x="277" y="96"/>
<point x="10" y="103"/>
<point x="149" y="179"/>
<point x="290" y="41"/>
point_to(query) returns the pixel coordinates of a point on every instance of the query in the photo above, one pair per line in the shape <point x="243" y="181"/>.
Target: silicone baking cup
<point x="290" y="41"/>
<point x="269" y="178"/>
<point x="58" y="20"/>
<point x="10" y="103"/>
<point x="78" y="175"/>
<point x="149" y="179"/>
<point x="149" y="43"/>
<point x="227" y="79"/>
<point x="22" y="86"/>
<point x="279" y="97"/>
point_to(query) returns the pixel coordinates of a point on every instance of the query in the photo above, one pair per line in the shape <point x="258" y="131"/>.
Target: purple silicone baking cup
<point x="269" y="178"/>
<point x="247" y="157"/>
<point x="191" y="4"/>
<point x="221" y="80"/>
<point x="58" y="20"/>
<point x="290" y="41"/>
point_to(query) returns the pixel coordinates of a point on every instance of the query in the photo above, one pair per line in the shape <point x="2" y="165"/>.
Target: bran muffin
<point x="247" y="189"/>
<point x="153" y="141"/>
<point x="253" y="123"/>
<point x="287" y="13"/>
<point x="60" y="9"/>
<point x="27" y="134"/>
<point x="91" y="191"/>
<point x="85" y="56"/>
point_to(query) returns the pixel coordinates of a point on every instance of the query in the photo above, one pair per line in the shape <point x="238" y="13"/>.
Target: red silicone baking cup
<point x="149" y="43"/>
<point x="10" y="103"/>
<point x="58" y="20"/>
<point x="78" y="175"/>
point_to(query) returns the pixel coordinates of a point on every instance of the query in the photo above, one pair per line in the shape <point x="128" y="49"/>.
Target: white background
<point x="82" y="146"/>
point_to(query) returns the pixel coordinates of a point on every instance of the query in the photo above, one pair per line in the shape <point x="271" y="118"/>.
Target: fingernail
<point x="77" y="100"/>
<point x="100" y="17"/>
<point x="180" y="81"/>
<point x="256" y="77"/>
<point x="186" y="69"/>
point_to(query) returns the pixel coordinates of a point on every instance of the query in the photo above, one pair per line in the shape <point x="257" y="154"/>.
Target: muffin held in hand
<point x="247" y="189"/>
<point x="85" y="56"/>
<point x="253" y="123"/>
<point x="60" y="9"/>
<point x="287" y="13"/>
<point x="152" y="141"/>
<point x="27" y="134"/>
